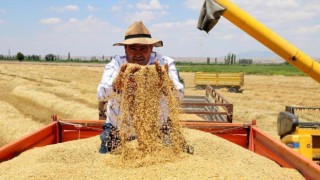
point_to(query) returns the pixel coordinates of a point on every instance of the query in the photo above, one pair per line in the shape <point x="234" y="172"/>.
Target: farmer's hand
<point x="118" y="82"/>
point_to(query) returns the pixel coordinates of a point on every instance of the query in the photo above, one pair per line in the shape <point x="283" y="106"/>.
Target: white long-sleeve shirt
<point x="105" y="89"/>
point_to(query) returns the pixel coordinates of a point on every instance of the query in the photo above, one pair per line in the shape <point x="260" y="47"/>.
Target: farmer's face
<point x="138" y="53"/>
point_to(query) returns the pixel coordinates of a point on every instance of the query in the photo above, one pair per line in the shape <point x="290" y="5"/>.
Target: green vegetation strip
<point x="259" y="69"/>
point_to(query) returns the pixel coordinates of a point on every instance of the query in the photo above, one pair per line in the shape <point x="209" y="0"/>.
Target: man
<point x="138" y="45"/>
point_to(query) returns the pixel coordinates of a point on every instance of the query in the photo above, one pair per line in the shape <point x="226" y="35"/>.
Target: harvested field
<point x="265" y="96"/>
<point x="31" y="93"/>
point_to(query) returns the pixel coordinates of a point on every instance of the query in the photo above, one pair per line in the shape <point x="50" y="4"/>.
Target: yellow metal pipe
<point x="270" y="39"/>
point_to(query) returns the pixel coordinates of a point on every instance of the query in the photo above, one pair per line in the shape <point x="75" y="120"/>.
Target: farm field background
<point x="32" y="92"/>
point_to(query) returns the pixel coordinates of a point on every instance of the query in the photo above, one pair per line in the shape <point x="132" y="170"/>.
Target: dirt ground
<point x="31" y="93"/>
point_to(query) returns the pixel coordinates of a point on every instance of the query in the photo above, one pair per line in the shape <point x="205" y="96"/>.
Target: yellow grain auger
<point x="213" y="9"/>
<point x="303" y="137"/>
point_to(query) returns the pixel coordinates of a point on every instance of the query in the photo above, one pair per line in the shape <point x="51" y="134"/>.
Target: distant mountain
<point x="256" y="54"/>
<point x="257" y="57"/>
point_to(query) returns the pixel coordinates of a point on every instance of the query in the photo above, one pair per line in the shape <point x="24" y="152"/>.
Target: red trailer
<point x="248" y="136"/>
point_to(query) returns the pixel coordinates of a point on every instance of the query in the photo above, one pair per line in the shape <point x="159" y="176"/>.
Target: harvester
<point x="248" y="136"/>
<point x="303" y="137"/>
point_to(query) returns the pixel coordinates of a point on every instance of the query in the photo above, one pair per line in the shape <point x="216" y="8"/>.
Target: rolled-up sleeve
<point x="174" y="76"/>
<point x="110" y="72"/>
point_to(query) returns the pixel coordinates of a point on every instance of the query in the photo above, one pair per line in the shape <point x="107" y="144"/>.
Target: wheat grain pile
<point x="214" y="158"/>
<point x="147" y="91"/>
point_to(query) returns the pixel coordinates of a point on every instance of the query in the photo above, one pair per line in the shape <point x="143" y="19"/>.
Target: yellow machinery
<point x="210" y="14"/>
<point x="303" y="137"/>
<point x="232" y="81"/>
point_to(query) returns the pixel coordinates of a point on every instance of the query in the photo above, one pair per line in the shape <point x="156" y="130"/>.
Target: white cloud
<point x="310" y="30"/>
<point x="280" y="11"/>
<point x="295" y="20"/>
<point x="193" y="4"/>
<point x="2" y="11"/>
<point x="145" y="16"/>
<point x="144" y="10"/>
<point x="89" y="24"/>
<point x="65" y="8"/>
<point x="92" y="9"/>
<point x="291" y="19"/>
<point x="50" y="21"/>
<point x="176" y="30"/>
<point x="115" y="8"/>
<point x="151" y="5"/>
<point x="73" y="21"/>
<point x="130" y="6"/>
<point x="87" y="36"/>
<point x="71" y="8"/>
<point x="282" y="4"/>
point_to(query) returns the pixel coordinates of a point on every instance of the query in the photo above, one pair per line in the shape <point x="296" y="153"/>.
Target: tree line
<point x="49" y="57"/>
<point x="21" y="57"/>
<point x="230" y="58"/>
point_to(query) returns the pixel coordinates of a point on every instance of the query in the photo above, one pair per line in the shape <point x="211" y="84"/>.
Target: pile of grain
<point x="147" y="91"/>
<point x="214" y="158"/>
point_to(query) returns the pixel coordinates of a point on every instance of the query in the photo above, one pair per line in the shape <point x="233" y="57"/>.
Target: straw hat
<point x="137" y="33"/>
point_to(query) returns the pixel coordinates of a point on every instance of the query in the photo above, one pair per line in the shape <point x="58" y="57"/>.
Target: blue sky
<point x="90" y="28"/>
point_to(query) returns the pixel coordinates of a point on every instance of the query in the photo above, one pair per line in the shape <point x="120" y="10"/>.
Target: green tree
<point x="20" y="56"/>
<point x="50" y="57"/>
<point x="230" y="59"/>
<point x="245" y="61"/>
